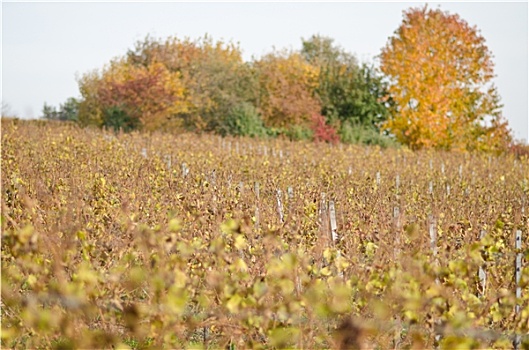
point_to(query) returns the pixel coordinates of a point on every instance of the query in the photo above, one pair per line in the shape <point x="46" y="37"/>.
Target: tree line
<point x="433" y="89"/>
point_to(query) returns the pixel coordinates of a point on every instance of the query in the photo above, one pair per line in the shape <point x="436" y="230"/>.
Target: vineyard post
<point x="518" y="274"/>
<point x="185" y="170"/>
<point x="482" y="274"/>
<point x="378" y="178"/>
<point x="323" y="216"/>
<point x="334" y="234"/>
<point x="350" y="170"/>
<point x="144" y="152"/>
<point x="168" y="161"/>
<point x="256" y="190"/>
<point x="396" y="252"/>
<point x="430" y="187"/>
<point x="279" y="205"/>
<point x="433" y="245"/>
<point x="332" y="218"/>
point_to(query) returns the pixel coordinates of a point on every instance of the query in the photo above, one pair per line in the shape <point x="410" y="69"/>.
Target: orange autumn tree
<point x="129" y="96"/>
<point x="287" y="90"/>
<point x="440" y="73"/>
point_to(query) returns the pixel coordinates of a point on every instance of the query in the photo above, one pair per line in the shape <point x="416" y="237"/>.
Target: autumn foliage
<point x="323" y="132"/>
<point x="441" y="81"/>
<point x="434" y="89"/>
<point x="287" y="84"/>
<point x="151" y="94"/>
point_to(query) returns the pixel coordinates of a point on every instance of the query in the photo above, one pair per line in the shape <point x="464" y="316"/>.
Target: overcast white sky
<point x="45" y="45"/>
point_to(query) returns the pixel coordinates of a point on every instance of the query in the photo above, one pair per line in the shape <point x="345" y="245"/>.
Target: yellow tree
<point x="287" y="85"/>
<point x="440" y="73"/>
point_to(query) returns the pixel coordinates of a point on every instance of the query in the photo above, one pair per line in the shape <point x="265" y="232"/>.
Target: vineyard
<point x="154" y="240"/>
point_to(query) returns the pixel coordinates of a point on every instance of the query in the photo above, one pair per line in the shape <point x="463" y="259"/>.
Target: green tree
<point x="351" y="95"/>
<point x="69" y="111"/>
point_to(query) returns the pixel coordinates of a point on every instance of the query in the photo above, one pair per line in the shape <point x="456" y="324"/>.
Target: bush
<point x="519" y="149"/>
<point x="322" y="131"/>
<point x="299" y="133"/>
<point x="117" y="119"/>
<point x="243" y="120"/>
<point x="361" y="134"/>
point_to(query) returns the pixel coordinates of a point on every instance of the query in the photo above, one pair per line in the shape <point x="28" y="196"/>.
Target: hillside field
<point x="153" y="240"/>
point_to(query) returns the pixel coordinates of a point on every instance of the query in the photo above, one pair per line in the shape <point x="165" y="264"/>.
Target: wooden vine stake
<point x="482" y="274"/>
<point x="290" y="193"/>
<point x="332" y="220"/>
<point x="334" y="234"/>
<point x="167" y="159"/>
<point x="185" y="170"/>
<point x="396" y="252"/>
<point x="433" y="243"/>
<point x="433" y="246"/>
<point x="517" y="276"/>
<point x="256" y="190"/>
<point x="280" y="206"/>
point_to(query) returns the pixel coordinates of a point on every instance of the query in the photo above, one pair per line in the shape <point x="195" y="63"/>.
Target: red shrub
<point x="519" y="149"/>
<point x="322" y="131"/>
